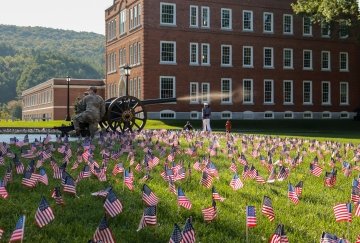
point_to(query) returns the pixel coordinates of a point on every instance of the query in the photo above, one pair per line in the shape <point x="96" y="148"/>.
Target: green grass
<point x="79" y="218"/>
<point x="31" y="124"/>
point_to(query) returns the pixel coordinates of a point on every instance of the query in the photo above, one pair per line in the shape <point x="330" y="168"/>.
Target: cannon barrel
<point x="158" y="101"/>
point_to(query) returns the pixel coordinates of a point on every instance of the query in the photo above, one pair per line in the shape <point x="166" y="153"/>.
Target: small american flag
<point x="112" y="204"/>
<point x="188" y="233"/>
<point x="118" y="168"/>
<point x="357" y="210"/>
<point x="176" y="236"/>
<point x="3" y="193"/>
<point x="18" y="233"/>
<point x="299" y="188"/>
<point x="267" y="208"/>
<point x="206" y="179"/>
<point x="56" y="169"/>
<point x="128" y="179"/>
<point x="279" y="236"/>
<point x="216" y="195"/>
<point x="330" y="179"/>
<point x="70" y="185"/>
<point x="43" y="178"/>
<point x="343" y="212"/>
<point x="85" y="173"/>
<point x="210" y="213"/>
<point x="18" y="165"/>
<point x="183" y="200"/>
<point x="57" y="196"/>
<point x="250" y="216"/>
<point x="355" y="194"/>
<point x="272" y="176"/>
<point x="233" y="167"/>
<point x="292" y="194"/>
<point x="315" y="169"/>
<point x="44" y="215"/>
<point x="103" y="233"/>
<point x="148" y="217"/>
<point x="328" y="238"/>
<point x="236" y="183"/>
<point x="172" y="187"/>
<point x="30" y="179"/>
<point x="149" y="197"/>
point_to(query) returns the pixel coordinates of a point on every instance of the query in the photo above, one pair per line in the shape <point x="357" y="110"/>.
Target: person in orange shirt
<point x="228" y="126"/>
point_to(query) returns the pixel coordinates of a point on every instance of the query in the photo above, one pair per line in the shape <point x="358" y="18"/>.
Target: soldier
<point x="206" y="114"/>
<point x="94" y="111"/>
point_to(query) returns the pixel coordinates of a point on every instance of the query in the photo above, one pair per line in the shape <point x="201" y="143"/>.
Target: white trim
<point x="272" y="92"/>
<point x="196" y="98"/>
<point x="251" y="20"/>
<point x="174" y="20"/>
<point x="272" y="23"/>
<point x="272" y="57"/>
<point x="269" y="113"/>
<point x="251" y="65"/>
<point x="291" y="102"/>
<point x="230" y="56"/>
<point x="347" y="62"/>
<point x="347" y="93"/>
<point x="291" y="24"/>
<point x="291" y="58"/>
<point x="208" y="17"/>
<point x="311" y="59"/>
<point x="310" y="102"/>
<point x="322" y="27"/>
<point x="174" y="85"/>
<point x="208" y="54"/>
<point x="310" y="27"/>
<point x="327" y="113"/>
<point x="167" y="112"/>
<point x="345" y="113"/>
<point x="196" y="62"/>
<point x="322" y="93"/>
<point x="222" y="102"/>
<point x="196" y="25"/>
<point x="230" y="18"/>
<point x="288" y="113"/>
<point x="251" y="101"/>
<point x="322" y="60"/>
<point x="168" y="42"/>
<point x="307" y="113"/>
<point x="226" y="113"/>
<point x="192" y="113"/>
<point x="203" y="97"/>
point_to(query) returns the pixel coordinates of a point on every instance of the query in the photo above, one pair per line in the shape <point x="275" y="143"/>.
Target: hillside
<point x="32" y="55"/>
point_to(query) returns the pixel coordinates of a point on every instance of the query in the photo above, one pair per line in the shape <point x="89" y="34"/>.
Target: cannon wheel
<point x="126" y="113"/>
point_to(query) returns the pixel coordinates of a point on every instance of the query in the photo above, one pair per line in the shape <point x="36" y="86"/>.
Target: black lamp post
<point x="127" y="70"/>
<point x="68" y="79"/>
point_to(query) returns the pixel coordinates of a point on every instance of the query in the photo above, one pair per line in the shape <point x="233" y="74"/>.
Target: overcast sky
<point x="78" y="15"/>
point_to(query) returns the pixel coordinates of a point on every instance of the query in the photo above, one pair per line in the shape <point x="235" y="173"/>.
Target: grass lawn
<point x="79" y="218"/>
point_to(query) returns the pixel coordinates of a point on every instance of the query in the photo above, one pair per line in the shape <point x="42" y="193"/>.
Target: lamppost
<point x="127" y="70"/>
<point x="68" y="79"/>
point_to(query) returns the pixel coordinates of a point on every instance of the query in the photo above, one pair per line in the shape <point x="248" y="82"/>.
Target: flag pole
<point x="23" y="229"/>
<point x="247" y="232"/>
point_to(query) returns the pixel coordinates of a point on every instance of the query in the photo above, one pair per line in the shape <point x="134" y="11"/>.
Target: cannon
<point x="125" y="113"/>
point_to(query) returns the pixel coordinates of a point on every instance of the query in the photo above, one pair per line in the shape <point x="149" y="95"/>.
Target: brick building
<point x="248" y="59"/>
<point x="48" y="100"/>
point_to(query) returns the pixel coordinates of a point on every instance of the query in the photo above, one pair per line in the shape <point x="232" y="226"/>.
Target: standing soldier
<point x="206" y="114"/>
<point x="94" y="111"/>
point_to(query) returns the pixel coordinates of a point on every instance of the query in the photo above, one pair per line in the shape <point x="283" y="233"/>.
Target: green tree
<point x="328" y="10"/>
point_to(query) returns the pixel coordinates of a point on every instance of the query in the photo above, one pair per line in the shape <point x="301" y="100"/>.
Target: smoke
<point x="215" y="96"/>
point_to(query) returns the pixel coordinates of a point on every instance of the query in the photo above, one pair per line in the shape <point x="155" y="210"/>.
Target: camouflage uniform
<point x="93" y="113"/>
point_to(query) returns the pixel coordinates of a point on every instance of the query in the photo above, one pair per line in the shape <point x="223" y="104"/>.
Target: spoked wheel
<point x="126" y="113"/>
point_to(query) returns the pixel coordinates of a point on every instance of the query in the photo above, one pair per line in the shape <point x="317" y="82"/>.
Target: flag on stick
<point x="267" y="209"/>
<point x="103" y="233"/>
<point x="148" y="217"/>
<point x="149" y="197"/>
<point x="250" y="216"/>
<point x="342" y="212"/>
<point x="188" y="233"/>
<point x="112" y="204"/>
<point x="176" y="236"/>
<point x="210" y="213"/>
<point x="44" y="215"/>
<point x="18" y="233"/>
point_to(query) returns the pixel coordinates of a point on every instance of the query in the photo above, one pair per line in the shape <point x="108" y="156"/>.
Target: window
<point x="325" y="30"/>
<point x="307" y="26"/>
<point x="248" y="91"/>
<point x="247" y="20"/>
<point x="131" y="22"/>
<point x="226" y="55"/>
<point x="135" y="61"/>
<point x="139" y="53"/>
<point x="139" y="88"/>
<point x="168" y="52"/>
<point x="226" y="115"/>
<point x="135" y="23"/>
<point x="194" y="16"/>
<point x="111" y="65"/>
<point x="269" y="115"/>
<point x="226" y="91"/>
<point x="344" y="115"/>
<point x="326" y="115"/>
<point x="268" y="91"/>
<point x="111" y="30"/>
<point x="194" y="115"/>
<point x="344" y="93"/>
<point x="307" y="60"/>
<point x="307" y="115"/>
<point x="344" y="62"/>
<point x="288" y="115"/>
<point x="205" y="17"/>
<point x="288" y="92"/>
<point x="288" y="58"/>
<point x="325" y="61"/>
<point x="205" y="54"/>
<point x="288" y="24"/>
<point x="194" y="54"/>
<point x="226" y="19"/>
<point x="167" y="114"/>
<point x="268" y="19"/>
<point x="248" y="56"/>
<point x="167" y="14"/>
<point x="325" y="93"/>
<point x="268" y="57"/>
<point x="205" y="92"/>
<point x="167" y="87"/>
<point x="194" y="87"/>
<point x="307" y="93"/>
<point x="131" y="54"/>
<point x="343" y="29"/>
<point x="122" y="21"/>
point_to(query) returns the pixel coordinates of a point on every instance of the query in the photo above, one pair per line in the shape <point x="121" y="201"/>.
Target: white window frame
<point x="196" y="113"/>
<point x="346" y="60"/>
<point x="347" y="116"/>
<point x="272" y="22"/>
<point x="174" y="17"/>
<point x="328" y="95"/>
<point x="206" y="63"/>
<point x="291" y="32"/>
<point x="122" y="25"/>
<point x="269" y="113"/>
<point x="226" y="115"/>
<point x="196" y="24"/>
<point x="251" y="27"/>
<point x="291" y="58"/>
<point x="226" y="96"/>
<point x="326" y="113"/>
<point x="342" y="24"/>
<point x="291" y="101"/>
<point x="288" y="113"/>
<point x="139" y="53"/>
<point x="194" y="98"/>
<point x="222" y="20"/>
<point x="167" y="112"/>
<point x="310" y="27"/>
<point x="205" y="22"/>
<point x="322" y="28"/>
<point x="168" y="62"/>
<point x="205" y="97"/>
<point x="271" y="102"/>
<point x="251" y="101"/>
<point x="310" y="101"/>
<point x="196" y="54"/>
<point x="306" y="113"/>
<point x="347" y="93"/>
<point x="251" y="65"/>
<point x="230" y="56"/>
<point x="272" y="57"/>
<point x="324" y="54"/>
<point x="311" y="60"/>
<point x="174" y="85"/>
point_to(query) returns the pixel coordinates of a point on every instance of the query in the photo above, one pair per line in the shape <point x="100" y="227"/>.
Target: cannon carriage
<point x="123" y="114"/>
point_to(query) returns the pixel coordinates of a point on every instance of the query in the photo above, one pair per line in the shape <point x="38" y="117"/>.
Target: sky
<point x="78" y="15"/>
